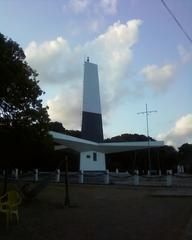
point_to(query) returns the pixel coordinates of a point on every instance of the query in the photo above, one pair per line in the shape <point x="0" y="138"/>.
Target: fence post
<point x="81" y="180"/>
<point x="16" y="173"/>
<point x="159" y="172"/>
<point x="36" y="175"/>
<point x="136" y="178"/>
<point x="117" y="171"/>
<point x="107" y="177"/>
<point x="169" y="180"/>
<point x="58" y="175"/>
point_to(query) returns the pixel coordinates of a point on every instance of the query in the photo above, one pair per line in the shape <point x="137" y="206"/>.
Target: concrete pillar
<point x="178" y="169"/>
<point x="136" y="178"/>
<point x="81" y="178"/>
<point x="107" y="177"/>
<point x="169" y="172"/>
<point x="16" y="173"/>
<point x="169" y="181"/>
<point x="137" y="172"/>
<point x="58" y="175"/>
<point x="36" y="175"/>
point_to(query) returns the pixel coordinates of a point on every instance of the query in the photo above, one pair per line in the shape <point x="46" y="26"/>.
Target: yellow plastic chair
<point x="14" y="200"/>
<point x="4" y="208"/>
<point x="9" y="204"/>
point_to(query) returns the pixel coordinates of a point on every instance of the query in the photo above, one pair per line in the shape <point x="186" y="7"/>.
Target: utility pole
<point x="147" y="112"/>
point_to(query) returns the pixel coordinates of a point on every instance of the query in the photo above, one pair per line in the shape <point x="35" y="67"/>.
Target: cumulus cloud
<point x="94" y="25"/>
<point x="65" y="107"/>
<point x="181" y="133"/>
<point x="109" y="6"/>
<point x="104" y="6"/>
<point x="77" y="6"/>
<point x="158" y="78"/>
<point x="49" y="59"/>
<point x="60" y="64"/>
<point x="185" y="54"/>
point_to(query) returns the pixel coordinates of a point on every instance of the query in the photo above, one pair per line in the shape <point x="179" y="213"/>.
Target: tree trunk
<point x="67" y="200"/>
<point x="5" y="181"/>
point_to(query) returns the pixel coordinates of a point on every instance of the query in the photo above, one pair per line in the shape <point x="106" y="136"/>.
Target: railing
<point x="105" y="177"/>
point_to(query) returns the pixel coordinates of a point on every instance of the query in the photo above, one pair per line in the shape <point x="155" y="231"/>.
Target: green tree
<point x="23" y="119"/>
<point x="58" y="127"/>
<point x="185" y="153"/>
<point x="19" y="93"/>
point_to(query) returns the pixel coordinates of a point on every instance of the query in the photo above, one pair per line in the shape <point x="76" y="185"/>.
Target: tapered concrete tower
<point x="92" y="127"/>
<point x="91" y="147"/>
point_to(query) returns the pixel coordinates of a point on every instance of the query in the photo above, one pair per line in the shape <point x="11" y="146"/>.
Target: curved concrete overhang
<point x="82" y="145"/>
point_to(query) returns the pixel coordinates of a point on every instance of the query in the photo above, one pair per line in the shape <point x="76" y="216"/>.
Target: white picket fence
<point x="179" y="180"/>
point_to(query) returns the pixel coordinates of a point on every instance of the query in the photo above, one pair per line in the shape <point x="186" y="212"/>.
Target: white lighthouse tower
<point x="92" y="127"/>
<point x="91" y="146"/>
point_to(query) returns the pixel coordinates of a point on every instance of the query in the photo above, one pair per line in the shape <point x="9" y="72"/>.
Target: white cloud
<point x="109" y="6"/>
<point x="104" y="6"/>
<point x="94" y="25"/>
<point x="76" y="6"/>
<point x="58" y="63"/>
<point x="65" y="107"/>
<point x="180" y="134"/>
<point x="158" y="78"/>
<point x="53" y="60"/>
<point x="185" y="54"/>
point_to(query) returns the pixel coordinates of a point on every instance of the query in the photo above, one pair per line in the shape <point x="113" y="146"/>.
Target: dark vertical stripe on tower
<point x="92" y="128"/>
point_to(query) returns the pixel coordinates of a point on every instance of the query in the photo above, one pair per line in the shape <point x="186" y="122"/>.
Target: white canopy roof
<point x="82" y="145"/>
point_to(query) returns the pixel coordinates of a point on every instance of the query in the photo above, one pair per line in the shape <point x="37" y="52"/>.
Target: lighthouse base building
<point x="91" y="145"/>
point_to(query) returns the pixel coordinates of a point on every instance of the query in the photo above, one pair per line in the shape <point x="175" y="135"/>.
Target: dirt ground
<point x="100" y="213"/>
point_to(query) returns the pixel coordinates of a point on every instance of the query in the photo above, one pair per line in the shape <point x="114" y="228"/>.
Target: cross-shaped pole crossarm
<point x="141" y="113"/>
<point x="152" y="111"/>
<point x="147" y="121"/>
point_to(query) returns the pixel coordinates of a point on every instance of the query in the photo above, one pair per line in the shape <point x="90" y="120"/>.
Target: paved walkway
<point x="107" y="212"/>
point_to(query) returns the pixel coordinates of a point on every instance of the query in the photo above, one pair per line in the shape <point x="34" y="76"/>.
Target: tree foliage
<point x="23" y="119"/>
<point x="185" y="156"/>
<point x="127" y="137"/>
<point x="19" y="93"/>
<point x="58" y="127"/>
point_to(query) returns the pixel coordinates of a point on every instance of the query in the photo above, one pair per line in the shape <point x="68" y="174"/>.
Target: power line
<point x="176" y="20"/>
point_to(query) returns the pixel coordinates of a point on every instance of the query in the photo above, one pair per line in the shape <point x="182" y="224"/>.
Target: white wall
<point x="88" y="163"/>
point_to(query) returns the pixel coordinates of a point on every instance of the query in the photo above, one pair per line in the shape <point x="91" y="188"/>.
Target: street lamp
<point x="147" y="112"/>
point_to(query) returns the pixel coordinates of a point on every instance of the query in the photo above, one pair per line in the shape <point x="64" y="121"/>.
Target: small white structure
<point x="92" y="161"/>
<point x="87" y="148"/>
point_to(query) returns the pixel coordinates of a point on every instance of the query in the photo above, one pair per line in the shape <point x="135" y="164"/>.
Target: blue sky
<point x="143" y="57"/>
